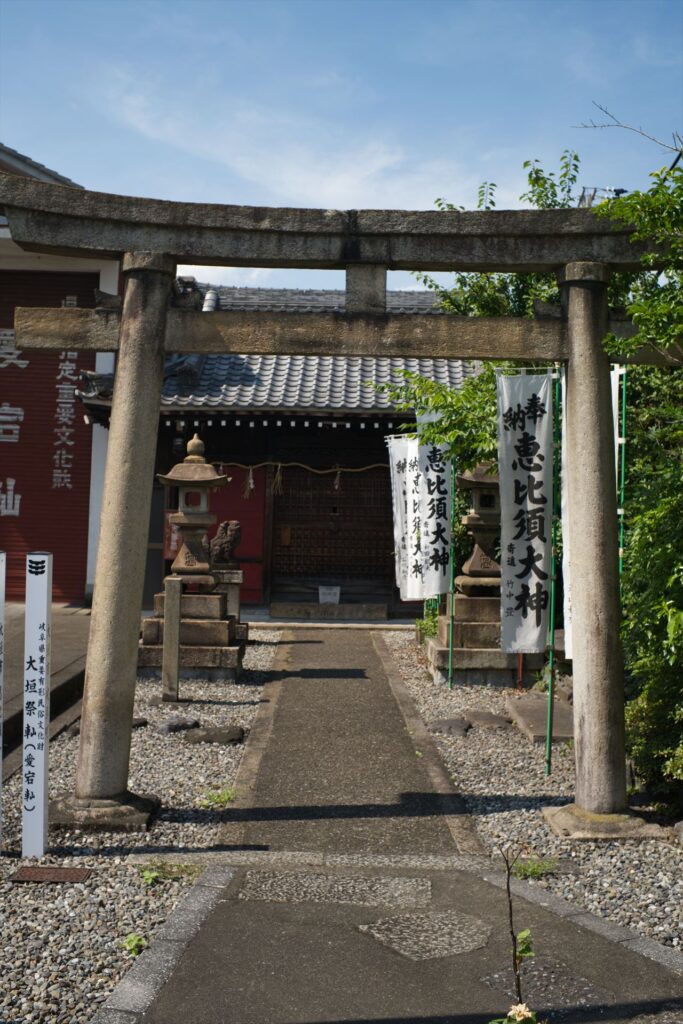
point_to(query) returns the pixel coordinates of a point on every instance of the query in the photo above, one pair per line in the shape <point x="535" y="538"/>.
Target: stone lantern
<point x="194" y="478"/>
<point x="481" y="572"/>
<point x="477" y="657"/>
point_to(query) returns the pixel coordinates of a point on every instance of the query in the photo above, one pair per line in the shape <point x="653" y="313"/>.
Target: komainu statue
<point x="224" y="543"/>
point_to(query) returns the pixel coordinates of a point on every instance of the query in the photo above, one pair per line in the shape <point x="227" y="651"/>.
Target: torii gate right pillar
<point x="593" y="542"/>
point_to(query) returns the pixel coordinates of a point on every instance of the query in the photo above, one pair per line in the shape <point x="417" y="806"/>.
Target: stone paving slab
<point x="529" y="712"/>
<point x="312" y="961"/>
<point x="297" y="887"/>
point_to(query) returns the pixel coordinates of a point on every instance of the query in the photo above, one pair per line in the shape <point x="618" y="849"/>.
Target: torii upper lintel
<point x="77" y="222"/>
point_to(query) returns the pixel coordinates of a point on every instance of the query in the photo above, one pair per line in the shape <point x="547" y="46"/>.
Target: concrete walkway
<point x="350" y="889"/>
<point x="70" y="628"/>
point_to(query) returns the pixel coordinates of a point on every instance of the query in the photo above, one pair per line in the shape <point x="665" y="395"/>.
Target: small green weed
<point x="525" y="948"/>
<point x="212" y="799"/>
<point x="134" y="943"/>
<point x="164" y="871"/>
<point x="534" y="867"/>
<point x="429" y="625"/>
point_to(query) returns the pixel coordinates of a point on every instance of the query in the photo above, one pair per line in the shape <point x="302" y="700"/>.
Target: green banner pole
<point x="553" y="574"/>
<point x="451" y="591"/>
<point x="622" y="472"/>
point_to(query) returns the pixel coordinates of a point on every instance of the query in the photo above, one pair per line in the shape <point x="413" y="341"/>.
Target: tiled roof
<point x="307" y="383"/>
<point x="339" y="383"/>
<point x="16" y="163"/>
<point x="310" y="300"/>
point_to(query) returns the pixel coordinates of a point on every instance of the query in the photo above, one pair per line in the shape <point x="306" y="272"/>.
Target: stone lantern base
<point x="210" y="645"/>
<point x="477" y="657"/>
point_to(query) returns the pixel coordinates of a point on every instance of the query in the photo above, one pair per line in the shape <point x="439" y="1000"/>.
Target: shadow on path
<point x="567" y="1015"/>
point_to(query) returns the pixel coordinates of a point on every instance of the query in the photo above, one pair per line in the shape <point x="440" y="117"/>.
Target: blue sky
<point x="336" y="103"/>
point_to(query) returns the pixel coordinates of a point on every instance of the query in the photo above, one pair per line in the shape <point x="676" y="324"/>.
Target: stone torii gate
<point x="150" y="237"/>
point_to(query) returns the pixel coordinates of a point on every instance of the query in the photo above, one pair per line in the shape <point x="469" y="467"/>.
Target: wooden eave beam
<point x="54" y="218"/>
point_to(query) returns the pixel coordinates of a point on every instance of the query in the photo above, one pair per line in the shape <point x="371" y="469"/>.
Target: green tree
<point x="652" y="582"/>
<point x="655" y="298"/>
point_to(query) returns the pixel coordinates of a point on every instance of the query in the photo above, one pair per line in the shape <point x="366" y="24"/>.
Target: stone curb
<point x="668" y="958"/>
<point x="140" y="985"/>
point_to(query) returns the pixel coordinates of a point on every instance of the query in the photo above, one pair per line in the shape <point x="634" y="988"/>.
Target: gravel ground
<point x="502" y="777"/>
<point x="60" y="945"/>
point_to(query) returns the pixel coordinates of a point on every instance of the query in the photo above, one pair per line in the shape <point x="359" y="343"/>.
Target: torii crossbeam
<point x="150" y="237"/>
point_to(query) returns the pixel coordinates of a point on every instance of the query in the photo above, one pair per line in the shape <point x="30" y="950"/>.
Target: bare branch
<point x="614" y="122"/>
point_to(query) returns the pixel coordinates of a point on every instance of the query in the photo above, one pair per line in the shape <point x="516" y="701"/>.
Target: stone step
<point x="475" y="609"/>
<point x="201" y="632"/>
<point x="193" y="657"/>
<point x="196" y="606"/>
<point x="241" y="632"/>
<point x="503" y="678"/>
<point x="480" y="658"/>
<point x="314" y="611"/>
<point x="470" y="634"/>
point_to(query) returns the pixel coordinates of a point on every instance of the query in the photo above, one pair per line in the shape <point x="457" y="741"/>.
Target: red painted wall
<point x="229" y="503"/>
<point x="50" y="460"/>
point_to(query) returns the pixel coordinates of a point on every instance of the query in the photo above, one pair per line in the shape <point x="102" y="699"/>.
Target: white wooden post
<point x="36" y="677"/>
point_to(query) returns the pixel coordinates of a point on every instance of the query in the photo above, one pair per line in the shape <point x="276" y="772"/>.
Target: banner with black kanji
<point x="420" y="485"/>
<point x="435" y="519"/>
<point x="399" y="456"/>
<point x="525" y="467"/>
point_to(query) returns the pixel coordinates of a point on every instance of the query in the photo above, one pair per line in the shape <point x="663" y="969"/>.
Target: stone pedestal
<point x="209" y="645"/>
<point x="477" y="657"/>
<point x="228" y="582"/>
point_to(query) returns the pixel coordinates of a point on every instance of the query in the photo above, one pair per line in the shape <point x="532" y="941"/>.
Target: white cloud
<point x="296" y="160"/>
<point x="655" y="52"/>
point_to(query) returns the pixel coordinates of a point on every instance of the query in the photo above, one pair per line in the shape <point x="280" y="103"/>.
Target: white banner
<point x="564" y="498"/>
<point x="525" y="467"/>
<point x="420" y="485"/>
<point x="36" y="702"/>
<point x="3" y="566"/>
<point x="616" y="373"/>
<point x="412" y="583"/>
<point x="398" y="462"/>
<point x="435" y="494"/>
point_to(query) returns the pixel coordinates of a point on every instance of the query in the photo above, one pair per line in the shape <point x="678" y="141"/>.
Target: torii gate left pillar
<point x="101" y="796"/>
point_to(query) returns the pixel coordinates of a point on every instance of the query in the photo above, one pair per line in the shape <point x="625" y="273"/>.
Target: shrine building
<point x="303" y="440"/>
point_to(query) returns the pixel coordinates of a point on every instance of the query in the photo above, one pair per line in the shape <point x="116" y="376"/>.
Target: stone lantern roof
<point x="194" y="470"/>
<point x="484" y="475"/>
